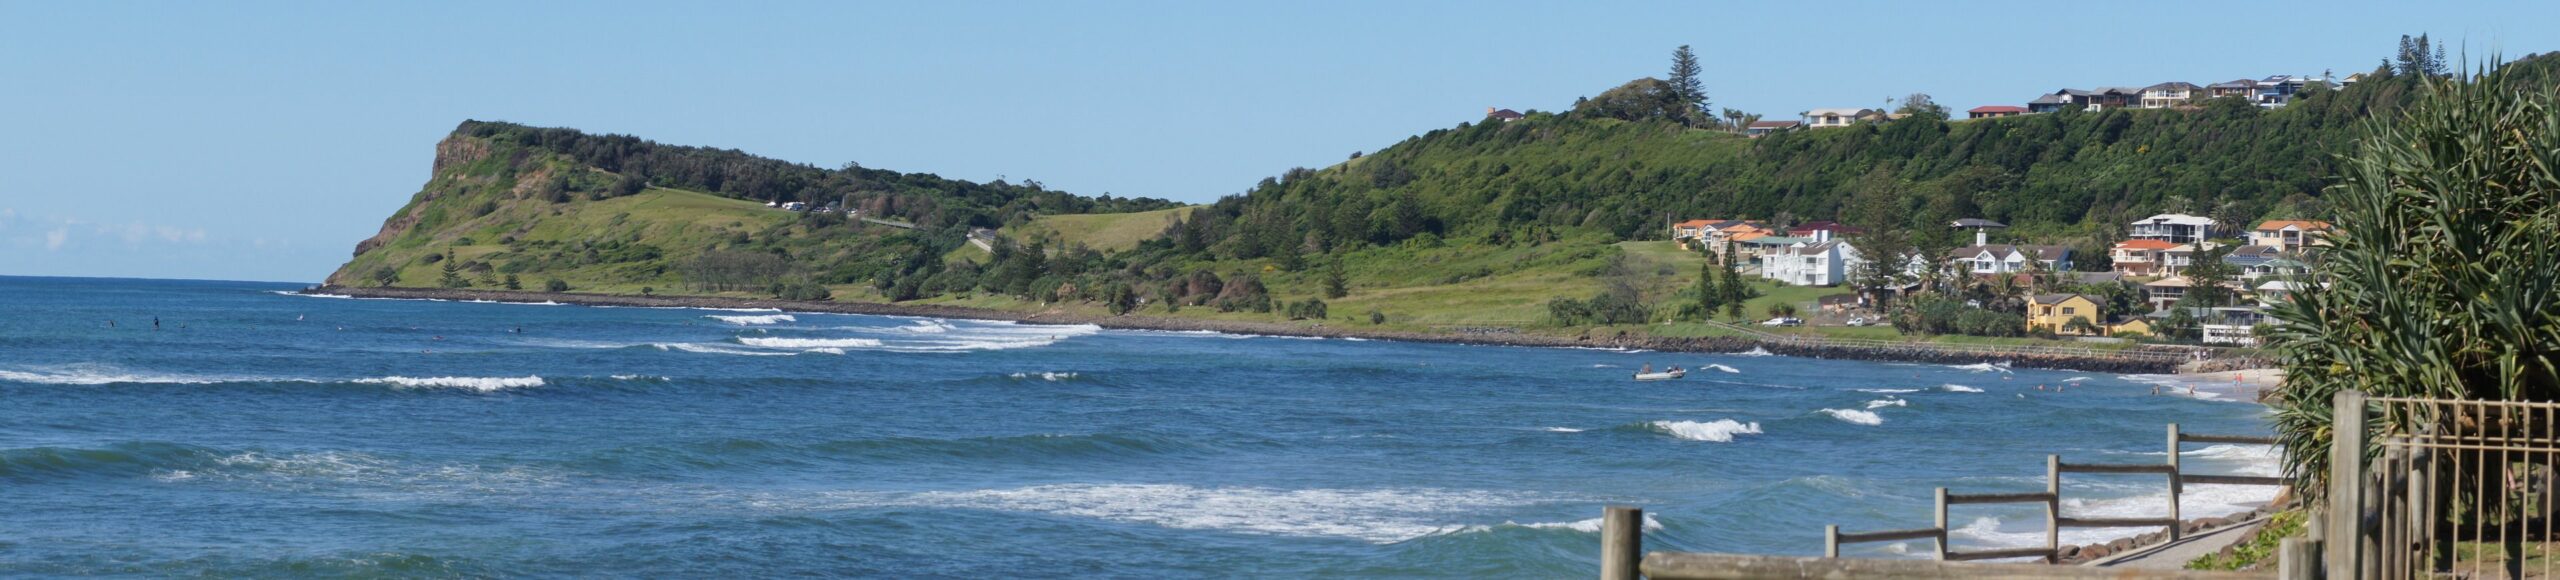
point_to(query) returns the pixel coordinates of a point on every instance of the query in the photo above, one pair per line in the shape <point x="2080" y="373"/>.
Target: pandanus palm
<point x="2442" y="278"/>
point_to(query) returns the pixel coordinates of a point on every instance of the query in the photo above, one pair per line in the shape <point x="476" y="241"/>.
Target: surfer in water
<point x="1648" y="369"/>
<point x="155" y="323"/>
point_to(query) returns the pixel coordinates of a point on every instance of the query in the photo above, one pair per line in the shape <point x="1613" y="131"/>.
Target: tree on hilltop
<point x="1685" y="84"/>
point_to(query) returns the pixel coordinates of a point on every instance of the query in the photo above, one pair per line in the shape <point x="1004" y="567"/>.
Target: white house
<point x="2175" y="228"/>
<point x="2169" y="94"/>
<point x="1824" y="262"/>
<point x="2290" y="235"/>
<point x="1839" y="117"/>
<point x="2009" y="259"/>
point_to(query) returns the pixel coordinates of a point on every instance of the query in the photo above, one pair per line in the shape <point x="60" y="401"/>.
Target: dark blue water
<point x="263" y="434"/>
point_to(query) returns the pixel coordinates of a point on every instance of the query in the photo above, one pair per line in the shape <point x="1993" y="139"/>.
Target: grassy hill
<point x="1111" y="232"/>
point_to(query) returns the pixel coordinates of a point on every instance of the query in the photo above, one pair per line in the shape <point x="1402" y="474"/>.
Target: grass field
<point x="1106" y="231"/>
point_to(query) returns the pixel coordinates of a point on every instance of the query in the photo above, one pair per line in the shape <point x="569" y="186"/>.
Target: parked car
<point x="1859" y="321"/>
<point x="1784" y="321"/>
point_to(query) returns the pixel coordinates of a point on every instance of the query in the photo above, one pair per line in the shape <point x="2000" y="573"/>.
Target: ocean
<point x="260" y="433"/>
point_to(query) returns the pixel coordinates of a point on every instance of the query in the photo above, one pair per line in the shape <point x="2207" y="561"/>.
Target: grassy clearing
<point x="1108" y="232"/>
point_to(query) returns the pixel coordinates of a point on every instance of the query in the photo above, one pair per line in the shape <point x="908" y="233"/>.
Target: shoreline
<point x="1702" y="345"/>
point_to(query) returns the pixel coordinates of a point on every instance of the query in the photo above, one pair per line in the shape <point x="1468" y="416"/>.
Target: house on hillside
<point x="1824" y="228"/>
<point x="1727" y="231"/>
<point x="2243" y="88"/>
<point x="1822" y="262"/>
<point x="1684" y="232"/>
<point x="2049" y="103"/>
<point x="1840" y="117"/>
<point x="1504" y="115"/>
<point x="2139" y="257"/>
<point x="2009" y="259"/>
<point x="1994" y="111"/>
<point x="2290" y="235"/>
<point x="1763" y="128"/>
<point x="2169" y="94"/>
<point x="2174" y="228"/>
<point x="2175" y="260"/>
<point x="2054" y="313"/>
<point x="2278" y="90"/>
<point x="2234" y="325"/>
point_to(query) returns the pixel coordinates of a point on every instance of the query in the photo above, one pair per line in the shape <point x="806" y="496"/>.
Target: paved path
<point x="2176" y="555"/>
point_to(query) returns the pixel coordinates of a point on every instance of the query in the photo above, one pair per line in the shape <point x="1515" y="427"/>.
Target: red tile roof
<point x="2144" y="245"/>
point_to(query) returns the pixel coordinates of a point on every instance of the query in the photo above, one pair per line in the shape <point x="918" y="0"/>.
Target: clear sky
<point x="260" y="141"/>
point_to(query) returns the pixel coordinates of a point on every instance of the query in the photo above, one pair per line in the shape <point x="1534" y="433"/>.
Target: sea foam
<point x="753" y="319"/>
<point x="481" y="384"/>
<point x="771" y="342"/>
<point x="1717" y="431"/>
<point x="1956" y="388"/>
<point x="1855" y="416"/>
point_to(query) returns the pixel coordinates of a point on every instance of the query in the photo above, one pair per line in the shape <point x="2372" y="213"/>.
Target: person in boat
<point x="1648" y="369"/>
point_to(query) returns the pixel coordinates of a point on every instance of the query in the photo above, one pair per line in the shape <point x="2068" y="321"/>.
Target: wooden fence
<point x="2051" y="499"/>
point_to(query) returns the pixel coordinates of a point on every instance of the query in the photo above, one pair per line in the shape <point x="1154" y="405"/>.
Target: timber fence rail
<point x="2051" y="499"/>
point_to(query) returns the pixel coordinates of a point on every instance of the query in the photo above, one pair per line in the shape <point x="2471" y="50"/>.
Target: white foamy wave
<point x="481" y="384"/>
<point x="1855" y="416"/>
<point x="753" y="319"/>
<point x="771" y="342"/>
<point x="928" y="327"/>
<point x="639" y="378"/>
<point x="1722" y="368"/>
<point x="1886" y="390"/>
<point x="1047" y="376"/>
<point x="97" y="374"/>
<point x="1563" y="430"/>
<point x="2001" y="367"/>
<point x="825" y="350"/>
<point x="1382" y="516"/>
<point x="1604" y="366"/>
<point x="2075" y="379"/>
<point x="1589" y="526"/>
<point x="715" y="349"/>
<point x="1956" y="388"/>
<point x="366" y="474"/>
<point x="1717" y="431"/>
<point x="1881" y="403"/>
<point x="1755" y="351"/>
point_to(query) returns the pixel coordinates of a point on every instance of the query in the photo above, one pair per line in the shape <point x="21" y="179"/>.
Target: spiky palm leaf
<point x="2443" y="274"/>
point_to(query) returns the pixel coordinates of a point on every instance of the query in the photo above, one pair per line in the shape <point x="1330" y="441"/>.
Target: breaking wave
<point x="1717" y="431"/>
<point x="1755" y="351"/>
<point x="1722" y="368"/>
<point x="1855" y="416"/>
<point x="714" y="349"/>
<point x="1047" y="376"/>
<point x="1888" y="402"/>
<point x="753" y="319"/>
<point x="2000" y="367"/>
<point x="481" y="384"/>
<point x="98" y="374"/>
<point x="1956" y="388"/>
<point x="1380" y="516"/>
<point x="1887" y="390"/>
<point x="770" y="342"/>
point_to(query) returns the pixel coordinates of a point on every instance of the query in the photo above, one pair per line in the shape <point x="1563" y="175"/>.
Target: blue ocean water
<point x="256" y="433"/>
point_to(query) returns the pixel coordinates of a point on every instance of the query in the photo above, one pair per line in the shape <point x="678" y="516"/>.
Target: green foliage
<point x="555" y="285"/>
<point x="1684" y="82"/>
<point x="1377" y="317"/>
<point x="385" y="276"/>
<point x="1336" y="283"/>
<point x="1607" y="308"/>
<point x="1941" y="314"/>
<point x="452" y="277"/>
<point x="2259" y="551"/>
<point x="1309" y="309"/>
<point x="2443" y="275"/>
<point x="512" y="283"/>
<point x="801" y="290"/>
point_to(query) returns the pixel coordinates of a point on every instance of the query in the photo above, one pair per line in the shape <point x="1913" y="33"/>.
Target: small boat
<point x="1662" y="376"/>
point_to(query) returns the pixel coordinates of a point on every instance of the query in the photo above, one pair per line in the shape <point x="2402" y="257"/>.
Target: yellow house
<point x="2137" y="325"/>
<point x="2053" y="312"/>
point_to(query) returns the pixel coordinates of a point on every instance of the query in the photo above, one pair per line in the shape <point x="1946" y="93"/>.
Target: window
<point x="2067" y="311"/>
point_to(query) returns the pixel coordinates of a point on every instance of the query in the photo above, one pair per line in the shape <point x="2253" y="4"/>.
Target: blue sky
<point x="260" y="141"/>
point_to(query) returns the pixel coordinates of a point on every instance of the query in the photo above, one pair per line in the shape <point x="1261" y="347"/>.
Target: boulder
<point x="2096" y="551"/>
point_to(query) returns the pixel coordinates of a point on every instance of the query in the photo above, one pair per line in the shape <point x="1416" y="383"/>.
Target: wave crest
<point x="1854" y="416"/>
<point x="753" y="319"/>
<point x="1717" y="431"/>
<point x="481" y="384"/>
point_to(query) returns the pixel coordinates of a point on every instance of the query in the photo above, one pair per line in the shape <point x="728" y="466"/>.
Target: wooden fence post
<point x="2298" y="559"/>
<point x="1831" y="541"/>
<point x="2346" y="479"/>
<point x="1621" y="542"/>
<point x="1942" y="524"/>
<point x="2053" y="509"/>
<point x="2176" y="526"/>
